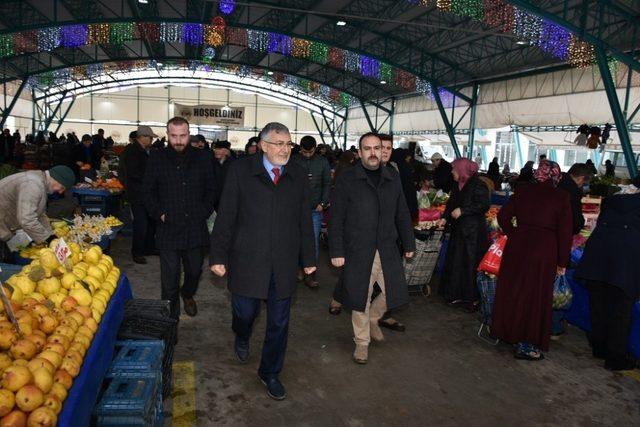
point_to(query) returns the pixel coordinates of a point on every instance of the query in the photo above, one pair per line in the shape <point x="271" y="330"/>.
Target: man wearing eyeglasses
<point x="319" y="176"/>
<point x="262" y="230"/>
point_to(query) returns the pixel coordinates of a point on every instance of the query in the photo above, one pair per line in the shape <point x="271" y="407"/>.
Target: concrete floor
<point x="437" y="373"/>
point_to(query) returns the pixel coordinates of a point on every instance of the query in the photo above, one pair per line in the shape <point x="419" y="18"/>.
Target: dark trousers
<point x="171" y="264"/>
<point x="245" y="311"/>
<point x="144" y="230"/>
<point x="611" y="310"/>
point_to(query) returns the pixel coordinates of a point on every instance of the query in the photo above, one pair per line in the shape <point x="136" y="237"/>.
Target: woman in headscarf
<point x="469" y="201"/>
<point x="538" y="223"/>
<point x="526" y="173"/>
<point x="494" y="173"/>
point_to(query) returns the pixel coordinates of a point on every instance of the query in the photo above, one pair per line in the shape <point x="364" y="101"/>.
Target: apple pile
<point x="58" y="309"/>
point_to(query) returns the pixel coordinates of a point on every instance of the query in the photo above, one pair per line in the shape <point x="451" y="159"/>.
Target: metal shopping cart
<point x="419" y="270"/>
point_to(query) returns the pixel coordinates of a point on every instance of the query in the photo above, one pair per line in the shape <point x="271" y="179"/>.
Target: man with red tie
<point x="262" y="230"/>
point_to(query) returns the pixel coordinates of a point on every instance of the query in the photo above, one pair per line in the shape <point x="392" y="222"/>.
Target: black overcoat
<point x="181" y="187"/>
<point x="365" y="219"/>
<point x="612" y="252"/>
<point x="262" y="228"/>
<point x="133" y="164"/>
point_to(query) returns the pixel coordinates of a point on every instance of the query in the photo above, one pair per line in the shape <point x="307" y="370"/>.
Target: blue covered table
<point x="578" y="313"/>
<point x="86" y="386"/>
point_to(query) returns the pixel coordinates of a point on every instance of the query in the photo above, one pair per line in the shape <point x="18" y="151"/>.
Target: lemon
<point x="82" y="296"/>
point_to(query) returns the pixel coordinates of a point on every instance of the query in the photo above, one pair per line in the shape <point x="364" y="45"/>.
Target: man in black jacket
<point x="572" y="182"/>
<point x="442" y="178"/>
<point x="133" y="163"/>
<point x="369" y="215"/>
<point x="179" y="193"/>
<point x="262" y="230"/>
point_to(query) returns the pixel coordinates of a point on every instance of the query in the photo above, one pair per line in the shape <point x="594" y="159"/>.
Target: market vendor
<point x="23" y="202"/>
<point x="86" y="153"/>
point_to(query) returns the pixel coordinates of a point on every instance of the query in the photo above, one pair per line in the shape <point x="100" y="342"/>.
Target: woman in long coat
<point x="465" y="212"/>
<point x="537" y="249"/>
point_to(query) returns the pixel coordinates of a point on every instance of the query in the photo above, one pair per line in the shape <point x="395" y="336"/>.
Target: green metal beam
<point x="629" y="60"/>
<point x="472" y="119"/>
<point x="447" y="123"/>
<point x="366" y="115"/>
<point x="49" y="119"/>
<point x="329" y="127"/>
<point x="7" y="111"/>
<point x="64" y="115"/>
<point x="318" y="128"/>
<point x="618" y="117"/>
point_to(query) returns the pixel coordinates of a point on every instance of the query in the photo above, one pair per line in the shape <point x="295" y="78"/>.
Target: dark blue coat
<point x="612" y="252"/>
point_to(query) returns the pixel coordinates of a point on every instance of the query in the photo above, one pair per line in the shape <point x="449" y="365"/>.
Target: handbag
<point x="562" y="293"/>
<point x="490" y="263"/>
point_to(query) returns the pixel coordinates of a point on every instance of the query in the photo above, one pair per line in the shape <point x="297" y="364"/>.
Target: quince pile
<point x="58" y="309"/>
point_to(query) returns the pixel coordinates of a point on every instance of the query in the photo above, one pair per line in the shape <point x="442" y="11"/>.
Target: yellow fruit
<point x="96" y="272"/>
<point x="16" y="377"/>
<point x="52" y="356"/>
<point x="43" y="379"/>
<point x="26" y="285"/>
<point x="96" y="315"/>
<point x="102" y="296"/>
<point x="85" y="341"/>
<point x="42" y="417"/>
<point x="7" y="402"/>
<point x="5" y="361"/>
<point x="77" y="316"/>
<point x="59" y="391"/>
<point x="8" y="337"/>
<point x="48" y="259"/>
<point x="15" y="418"/>
<point x="38" y="340"/>
<point x="70" y="366"/>
<point x="61" y="376"/>
<point x="17" y="296"/>
<point x="68" y="279"/>
<point x="91" y="324"/>
<point x="98" y="305"/>
<point x="93" y="283"/>
<point x="92" y="256"/>
<point x="52" y="402"/>
<point x="23" y="349"/>
<point x="79" y="273"/>
<point x="48" y="323"/>
<point x="49" y="286"/>
<point x="40" y="363"/>
<point x="37" y="296"/>
<point x="82" y="296"/>
<point x="104" y="268"/>
<point x="57" y="298"/>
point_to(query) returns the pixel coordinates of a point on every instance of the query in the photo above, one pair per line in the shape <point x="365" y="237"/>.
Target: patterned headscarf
<point x="548" y="171"/>
<point x="465" y="169"/>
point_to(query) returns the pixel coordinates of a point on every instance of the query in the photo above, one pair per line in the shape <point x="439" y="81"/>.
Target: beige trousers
<point x="373" y="311"/>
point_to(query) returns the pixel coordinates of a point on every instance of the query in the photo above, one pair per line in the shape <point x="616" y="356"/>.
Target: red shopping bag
<point x="429" y="214"/>
<point x="491" y="261"/>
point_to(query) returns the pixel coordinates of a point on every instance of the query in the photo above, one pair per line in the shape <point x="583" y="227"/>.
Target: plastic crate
<point x="131" y="399"/>
<point x="8" y="270"/>
<point x="139" y="327"/>
<point x="135" y="355"/>
<point x="153" y="308"/>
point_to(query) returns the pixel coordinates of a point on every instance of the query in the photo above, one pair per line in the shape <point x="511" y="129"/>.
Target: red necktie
<point x="276" y="175"/>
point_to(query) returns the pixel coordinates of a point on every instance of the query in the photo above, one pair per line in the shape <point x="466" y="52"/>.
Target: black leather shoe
<point x="242" y="350"/>
<point x="139" y="260"/>
<point x="275" y="389"/>
<point x="190" y="306"/>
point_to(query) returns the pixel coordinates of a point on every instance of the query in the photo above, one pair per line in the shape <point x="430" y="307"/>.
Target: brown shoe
<point x="190" y="306"/>
<point x="361" y="354"/>
<point x="311" y="281"/>
<point x="376" y="332"/>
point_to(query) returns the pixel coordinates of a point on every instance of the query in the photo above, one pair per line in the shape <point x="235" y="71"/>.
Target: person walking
<point x="23" y="203"/>
<point x="369" y="215"/>
<point x="262" y="231"/>
<point x="613" y="277"/>
<point x="494" y="173"/>
<point x="133" y="163"/>
<point x="469" y="201"/>
<point x="319" y="178"/>
<point x="179" y="193"/>
<point x="537" y="250"/>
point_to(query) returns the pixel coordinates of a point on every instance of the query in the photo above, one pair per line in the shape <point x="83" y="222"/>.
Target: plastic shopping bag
<point x="562" y="293"/>
<point x="428" y="215"/>
<point x="491" y="261"/>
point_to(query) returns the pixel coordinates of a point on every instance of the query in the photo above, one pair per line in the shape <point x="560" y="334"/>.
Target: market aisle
<point x="438" y="372"/>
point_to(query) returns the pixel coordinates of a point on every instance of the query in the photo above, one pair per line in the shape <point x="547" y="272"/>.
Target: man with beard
<point x="179" y="193"/>
<point x="262" y="230"/>
<point x="369" y="215"/>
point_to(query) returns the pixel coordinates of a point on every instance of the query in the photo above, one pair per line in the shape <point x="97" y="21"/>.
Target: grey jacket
<point x="23" y="203"/>
<point x="318" y="174"/>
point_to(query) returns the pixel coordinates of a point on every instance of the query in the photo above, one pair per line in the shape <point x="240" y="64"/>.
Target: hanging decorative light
<point x="336" y="57"/>
<point x="345" y="99"/>
<point x="6" y="45"/>
<point x="468" y="8"/>
<point x="405" y="80"/>
<point x="325" y="90"/>
<point x="444" y="5"/>
<point x="258" y="40"/>
<point x="423" y="87"/>
<point x="554" y="40"/>
<point x="526" y="26"/>
<point x="213" y="35"/>
<point x="386" y="72"/>
<point x="121" y="32"/>
<point x="98" y="34"/>
<point x="95" y="69"/>
<point x="279" y="43"/>
<point x="170" y="32"/>
<point x="499" y="14"/>
<point x="209" y="53"/>
<point x="149" y="31"/>
<point x="370" y="67"/>
<point x="227" y="6"/>
<point x="237" y="36"/>
<point x="25" y="42"/>
<point x="192" y="34"/>
<point x="291" y="81"/>
<point x="79" y="72"/>
<point x="48" y="39"/>
<point x="318" y="52"/>
<point x="351" y="61"/>
<point x="300" y="48"/>
<point x="581" y="53"/>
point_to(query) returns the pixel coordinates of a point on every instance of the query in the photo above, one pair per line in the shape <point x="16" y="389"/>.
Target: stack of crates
<point x="133" y="394"/>
<point x="147" y="319"/>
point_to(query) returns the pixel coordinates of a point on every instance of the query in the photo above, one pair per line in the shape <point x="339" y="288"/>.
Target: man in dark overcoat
<point x="262" y="230"/>
<point x="369" y="215"/>
<point x="179" y="193"/>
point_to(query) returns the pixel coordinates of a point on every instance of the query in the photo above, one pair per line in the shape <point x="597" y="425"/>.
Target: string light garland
<point x="351" y="61"/>
<point x="237" y="36"/>
<point x="336" y="57"/>
<point x="423" y="87"/>
<point x="99" y="34"/>
<point x="258" y="40"/>
<point x="149" y="31"/>
<point x="279" y="43"/>
<point x="300" y="48"/>
<point x="554" y="40"/>
<point x="25" y="42"/>
<point x="192" y="34"/>
<point x="48" y="39"/>
<point x="526" y="26"/>
<point x="209" y="53"/>
<point x="370" y="67"/>
<point x="121" y="32"/>
<point x="468" y="8"/>
<point x="345" y="99"/>
<point x="170" y="32"/>
<point x="444" y="5"/>
<point x="6" y="45"/>
<point x="405" y="80"/>
<point x="318" y="52"/>
<point x="227" y="6"/>
<point x="386" y="72"/>
<point x="581" y="54"/>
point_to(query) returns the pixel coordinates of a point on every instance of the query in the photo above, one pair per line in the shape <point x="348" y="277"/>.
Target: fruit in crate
<point x="58" y="317"/>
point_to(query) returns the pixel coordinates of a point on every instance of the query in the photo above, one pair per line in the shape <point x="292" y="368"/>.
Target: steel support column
<point x="472" y="120"/>
<point x="7" y="111"/>
<point x="317" y="127"/>
<point x="366" y="115"/>
<point x="618" y="117"/>
<point x="330" y="126"/>
<point x="49" y="119"/>
<point x="447" y="123"/>
<point x="64" y="115"/>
